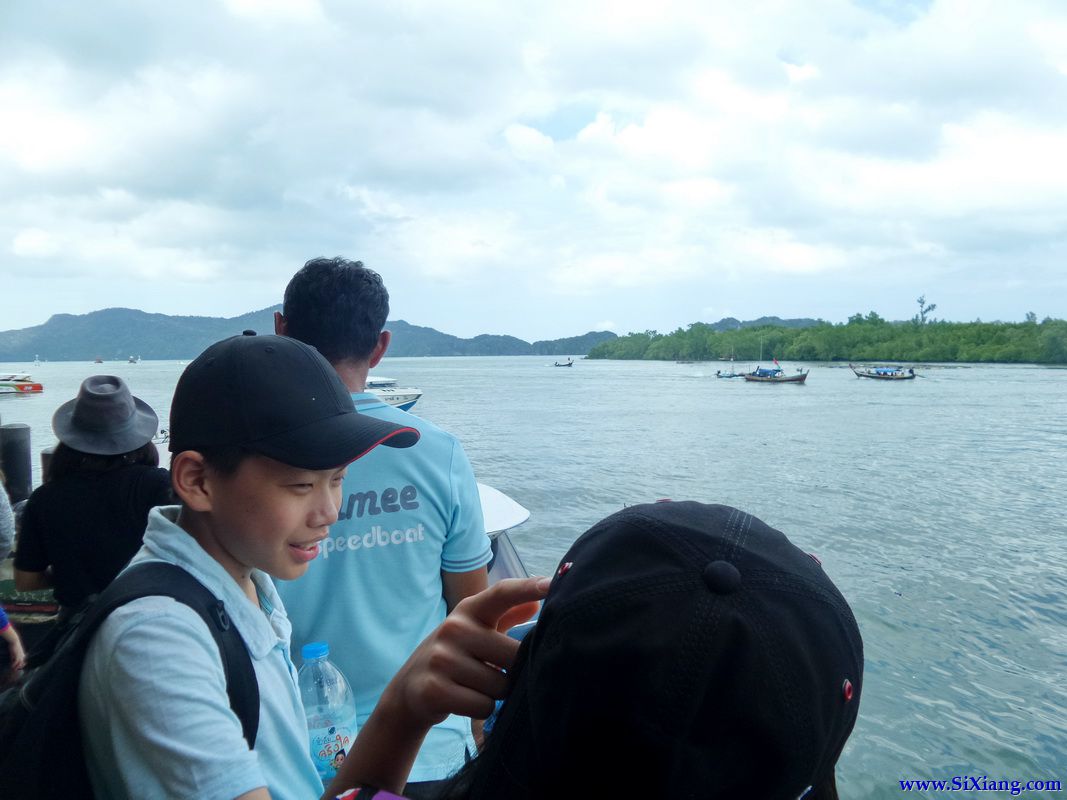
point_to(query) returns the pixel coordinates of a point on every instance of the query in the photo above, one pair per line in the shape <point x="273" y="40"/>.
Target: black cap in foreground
<point x="277" y="397"/>
<point x="684" y="650"/>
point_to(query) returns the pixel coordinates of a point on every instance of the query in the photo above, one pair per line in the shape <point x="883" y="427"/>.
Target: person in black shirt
<point x="82" y="526"/>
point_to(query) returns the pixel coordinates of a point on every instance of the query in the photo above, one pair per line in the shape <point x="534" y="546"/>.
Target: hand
<point x="457" y="668"/>
<point x="18" y="656"/>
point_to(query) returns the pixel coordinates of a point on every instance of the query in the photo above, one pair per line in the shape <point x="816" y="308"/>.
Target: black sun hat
<point x="684" y="650"/>
<point x="105" y="419"/>
<point x="277" y="397"/>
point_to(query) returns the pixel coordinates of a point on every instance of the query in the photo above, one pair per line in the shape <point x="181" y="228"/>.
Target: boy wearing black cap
<point x="261" y="431"/>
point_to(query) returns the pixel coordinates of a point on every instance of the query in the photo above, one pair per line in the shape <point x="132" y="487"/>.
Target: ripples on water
<point x="935" y="504"/>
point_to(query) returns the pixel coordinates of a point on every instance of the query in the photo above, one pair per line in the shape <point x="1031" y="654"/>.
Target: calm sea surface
<point x="936" y="505"/>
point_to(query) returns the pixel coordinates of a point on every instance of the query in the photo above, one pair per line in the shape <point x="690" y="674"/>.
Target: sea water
<point x="935" y="504"/>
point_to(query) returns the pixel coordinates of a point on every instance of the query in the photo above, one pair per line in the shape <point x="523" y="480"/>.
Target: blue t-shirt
<point x="156" y="720"/>
<point x="375" y="590"/>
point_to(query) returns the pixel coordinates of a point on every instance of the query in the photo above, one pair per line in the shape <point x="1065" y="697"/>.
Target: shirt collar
<point x="262" y="628"/>
<point x="365" y="400"/>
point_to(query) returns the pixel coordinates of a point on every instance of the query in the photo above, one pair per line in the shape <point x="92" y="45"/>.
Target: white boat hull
<point x="403" y="397"/>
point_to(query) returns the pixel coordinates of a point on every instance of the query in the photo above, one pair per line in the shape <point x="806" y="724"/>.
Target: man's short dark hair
<point x="337" y="306"/>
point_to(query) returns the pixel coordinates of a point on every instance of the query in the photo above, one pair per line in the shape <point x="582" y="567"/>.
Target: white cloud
<point x="34" y="242"/>
<point x="639" y="154"/>
<point x="529" y="144"/>
<point x="276" y="11"/>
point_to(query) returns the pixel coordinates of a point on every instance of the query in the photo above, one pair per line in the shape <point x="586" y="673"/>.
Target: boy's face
<point x="271" y="516"/>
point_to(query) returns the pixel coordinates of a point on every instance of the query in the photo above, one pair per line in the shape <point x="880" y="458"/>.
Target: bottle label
<point x="330" y="746"/>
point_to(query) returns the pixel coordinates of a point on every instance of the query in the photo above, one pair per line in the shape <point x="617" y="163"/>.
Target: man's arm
<point x="458" y="585"/>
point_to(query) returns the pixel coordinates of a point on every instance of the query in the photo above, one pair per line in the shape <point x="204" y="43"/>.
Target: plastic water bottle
<point x="329" y="707"/>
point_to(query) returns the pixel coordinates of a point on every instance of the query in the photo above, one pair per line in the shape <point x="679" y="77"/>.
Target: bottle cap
<point x="314" y="650"/>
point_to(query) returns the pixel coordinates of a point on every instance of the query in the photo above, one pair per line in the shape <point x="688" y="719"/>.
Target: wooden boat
<point x="774" y="374"/>
<point x="568" y="363"/>
<point x="884" y="373"/>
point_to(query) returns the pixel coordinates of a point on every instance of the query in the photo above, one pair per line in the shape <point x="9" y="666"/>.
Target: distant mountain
<point x="115" y="334"/>
<point x="731" y="324"/>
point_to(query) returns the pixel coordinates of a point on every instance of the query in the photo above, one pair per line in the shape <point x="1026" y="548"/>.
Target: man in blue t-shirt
<point x="409" y="543"/>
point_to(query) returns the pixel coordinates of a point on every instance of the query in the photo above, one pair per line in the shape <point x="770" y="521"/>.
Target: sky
<point x="537" y="169"/>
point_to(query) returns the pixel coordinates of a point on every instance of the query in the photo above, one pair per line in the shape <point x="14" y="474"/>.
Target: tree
<point x="923" y="309"/>
<point x="1031" y="318"/>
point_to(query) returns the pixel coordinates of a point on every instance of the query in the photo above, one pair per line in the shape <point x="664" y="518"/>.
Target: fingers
<point x="489" y="606"/>
<point x="517" y="614"/>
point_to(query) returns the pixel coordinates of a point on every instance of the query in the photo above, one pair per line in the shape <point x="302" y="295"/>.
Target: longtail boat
<point x="884" y="373"/>
<point x="774" y="374"/>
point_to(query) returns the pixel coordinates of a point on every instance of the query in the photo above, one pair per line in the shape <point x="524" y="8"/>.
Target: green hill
<point x="115" y="334"/>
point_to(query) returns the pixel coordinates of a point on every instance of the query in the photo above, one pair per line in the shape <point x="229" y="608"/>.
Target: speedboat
<point x="501" y="514"/>
<point x="403" y="397"/>
<point x="18" y="383"/>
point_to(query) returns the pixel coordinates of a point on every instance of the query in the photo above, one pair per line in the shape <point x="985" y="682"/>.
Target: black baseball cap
<point x="277" y="397"/>
<point x="684" y="650"/>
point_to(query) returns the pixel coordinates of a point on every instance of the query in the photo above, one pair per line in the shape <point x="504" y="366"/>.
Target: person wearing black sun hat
<point x="84" y="523"/>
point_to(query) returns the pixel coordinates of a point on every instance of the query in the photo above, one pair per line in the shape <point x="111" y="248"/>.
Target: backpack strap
<point x="160" y="579"/>
<point x="47" y="701"/>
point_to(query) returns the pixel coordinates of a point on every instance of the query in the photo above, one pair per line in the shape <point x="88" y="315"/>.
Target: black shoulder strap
<point x="168" y="580"/>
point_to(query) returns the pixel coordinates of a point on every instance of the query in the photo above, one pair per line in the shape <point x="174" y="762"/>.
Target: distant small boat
<point x="884" y="373"/>
<point x="18" y="383"/>
<point x="134" y="359"/>
<point x="774" y="374"/>
<point x="98" y="360"/>
<point x="731" y="374"/>
<point x="568" y="363"/>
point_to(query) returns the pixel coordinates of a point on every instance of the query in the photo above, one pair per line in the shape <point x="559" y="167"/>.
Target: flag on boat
<point x="775" y="360"/>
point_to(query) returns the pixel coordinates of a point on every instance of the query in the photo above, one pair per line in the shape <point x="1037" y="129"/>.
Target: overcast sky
<point x="537" y="169"/>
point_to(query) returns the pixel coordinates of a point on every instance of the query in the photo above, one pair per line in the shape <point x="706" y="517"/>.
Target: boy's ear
<point x="189" y="478"/>
<point x="280" y="324"/>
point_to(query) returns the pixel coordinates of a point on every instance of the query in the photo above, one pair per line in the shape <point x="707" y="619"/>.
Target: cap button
<point x="248" y="332"/>
<point x="722" y="577"/>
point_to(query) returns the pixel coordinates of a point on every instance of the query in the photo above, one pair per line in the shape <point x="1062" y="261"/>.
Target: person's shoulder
<point x="152" y="627"/>
<point x="154" y="480"/>
<point x="153" y="611"/>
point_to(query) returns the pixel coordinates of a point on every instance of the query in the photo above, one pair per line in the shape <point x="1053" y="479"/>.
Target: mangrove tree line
<point x="862" y="338"/>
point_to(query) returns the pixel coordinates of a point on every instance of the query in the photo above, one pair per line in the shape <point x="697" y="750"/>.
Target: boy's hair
<point x="337" y="306"/>
<point x="68" y="461"/>
<point x="225" y="460"/>
<point x="683" y="650"/>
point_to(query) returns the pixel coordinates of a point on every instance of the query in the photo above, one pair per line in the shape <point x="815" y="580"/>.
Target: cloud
<point x="489" y="157"/>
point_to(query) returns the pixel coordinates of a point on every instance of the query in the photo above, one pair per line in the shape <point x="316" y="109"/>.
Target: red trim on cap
<point x="385" y="438"/>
